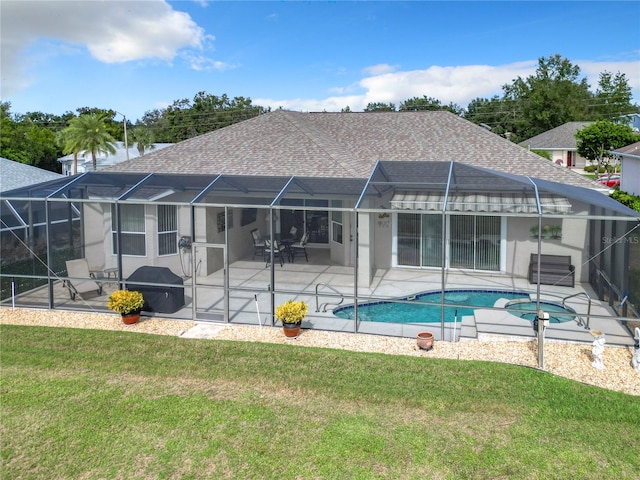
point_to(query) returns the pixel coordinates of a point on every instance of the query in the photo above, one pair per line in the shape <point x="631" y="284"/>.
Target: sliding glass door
<point x="473" y="242"/>
<point x="419" y="240"/>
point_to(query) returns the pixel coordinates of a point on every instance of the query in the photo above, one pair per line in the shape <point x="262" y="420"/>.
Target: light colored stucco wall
<point x="561" y="157"/>
<point x="630" y="177"/>
<point x="521" y="244"/>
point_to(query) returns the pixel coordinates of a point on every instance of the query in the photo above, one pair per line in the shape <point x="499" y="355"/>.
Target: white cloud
<point x="379" y="69"/>
<point x="202" y="63"/>
<point x="592" y="71"/>
<point x="449" y="84"/>
<point x="112" y="32"/>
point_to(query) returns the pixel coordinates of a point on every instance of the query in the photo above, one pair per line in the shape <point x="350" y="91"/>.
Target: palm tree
<point x="88" y="133"/>
<point x="61" y="141"/>
<point x="143" y="138"/>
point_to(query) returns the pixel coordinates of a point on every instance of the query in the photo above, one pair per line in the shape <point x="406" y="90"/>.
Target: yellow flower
<point x="125" y="301"/>
<point x="292" y="312"/>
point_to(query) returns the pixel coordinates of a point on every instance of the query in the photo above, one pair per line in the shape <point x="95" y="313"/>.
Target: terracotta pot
<point x="131" y="318"/>
<point x="425" y="340"/>
<point x="291" y="330"/>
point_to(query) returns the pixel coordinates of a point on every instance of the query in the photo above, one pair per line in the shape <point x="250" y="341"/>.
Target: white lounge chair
<point x="79" y="270"/>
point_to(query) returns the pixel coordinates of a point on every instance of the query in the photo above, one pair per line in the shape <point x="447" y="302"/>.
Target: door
<point x="209" y="287"/>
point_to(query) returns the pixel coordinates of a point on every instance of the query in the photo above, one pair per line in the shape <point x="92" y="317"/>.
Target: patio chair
<point x="279" y="251"/>
<point x="79" y="270"/>
<point x="300" y="246"/>
<point x="258" y="243"/>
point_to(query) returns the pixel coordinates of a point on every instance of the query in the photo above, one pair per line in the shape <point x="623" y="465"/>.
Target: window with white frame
<point x="336" y="222"/>
<point x="133" y="234"/>
<point x="167" y="229"/>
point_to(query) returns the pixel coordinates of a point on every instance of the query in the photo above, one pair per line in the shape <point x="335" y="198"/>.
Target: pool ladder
<point x="324" y="305"/>
<point x="580" y="320"/>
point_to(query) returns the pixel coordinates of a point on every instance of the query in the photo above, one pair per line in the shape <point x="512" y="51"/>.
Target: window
<point x="336" y="222"/>
<point x="167" y="229"/>
<point x="314" y="222"/>
<point x="133" y="230"/>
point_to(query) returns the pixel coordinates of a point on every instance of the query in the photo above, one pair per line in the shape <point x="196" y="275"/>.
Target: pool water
<point x="426" y="307"/>
<point x="557" y="313"/>
<point x="420" y="311"/>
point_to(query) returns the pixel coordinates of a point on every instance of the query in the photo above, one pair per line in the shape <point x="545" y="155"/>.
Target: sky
<point x="137" y="56"/>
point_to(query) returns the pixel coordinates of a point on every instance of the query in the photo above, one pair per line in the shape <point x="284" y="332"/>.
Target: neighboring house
<point x="561" y="143"/>
<point x="633" y="120"/>
<point x="104" y="160"/>
<point x="630" y="171"/>
<point x="17" y="175"/>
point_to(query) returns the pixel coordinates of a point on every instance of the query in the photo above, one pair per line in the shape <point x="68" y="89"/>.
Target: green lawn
<point x="83" y="404"/>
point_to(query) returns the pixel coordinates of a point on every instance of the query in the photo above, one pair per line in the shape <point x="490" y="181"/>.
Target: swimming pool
<point x="426" y="307"/>
<point x="557" y="313"/>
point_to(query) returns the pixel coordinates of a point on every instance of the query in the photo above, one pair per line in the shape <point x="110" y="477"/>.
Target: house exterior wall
<point x="630" y="177"/>
<point x="375" y="241"/>
<point x="383" y="237"/>
<point x="521" y="243"/>
<point x="560" y="157"/>
<point x="99" y="244"/>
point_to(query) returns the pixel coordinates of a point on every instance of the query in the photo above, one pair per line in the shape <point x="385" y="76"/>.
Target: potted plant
<point x="291" y="315"/>
<point x="534" y="231"/>
<point x="556" y="231"/>
<point x="127" y="303"/>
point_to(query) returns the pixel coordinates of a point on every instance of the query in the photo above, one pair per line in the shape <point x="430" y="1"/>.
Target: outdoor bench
<point x="554" y="270"/>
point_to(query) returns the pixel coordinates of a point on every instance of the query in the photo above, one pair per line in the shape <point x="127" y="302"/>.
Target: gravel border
<point x="568" y="360"/>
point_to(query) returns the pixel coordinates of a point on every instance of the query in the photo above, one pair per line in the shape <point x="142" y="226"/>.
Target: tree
<point x="143" y="137"/>
<point x="598" y="140"/>
<point x="613" y="97"/>
<point x="554" y="95"/>
<point x="496" y="113"/>
<point x="89" y="133"/>
<point x="380" y="107"/>
<point x="428" y="103"/>
<point x="25" y="141"/>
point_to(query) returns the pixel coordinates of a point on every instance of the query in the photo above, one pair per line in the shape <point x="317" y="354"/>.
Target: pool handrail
<point x="580" y="320"/>
<point x="326" y="304"/>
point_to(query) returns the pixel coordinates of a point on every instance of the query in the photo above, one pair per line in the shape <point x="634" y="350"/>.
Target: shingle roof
<point x="632" y="150"/>
<point x="343" y="145"/>
<point x="15" y="175"/>
<point x="559" y="138"/>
